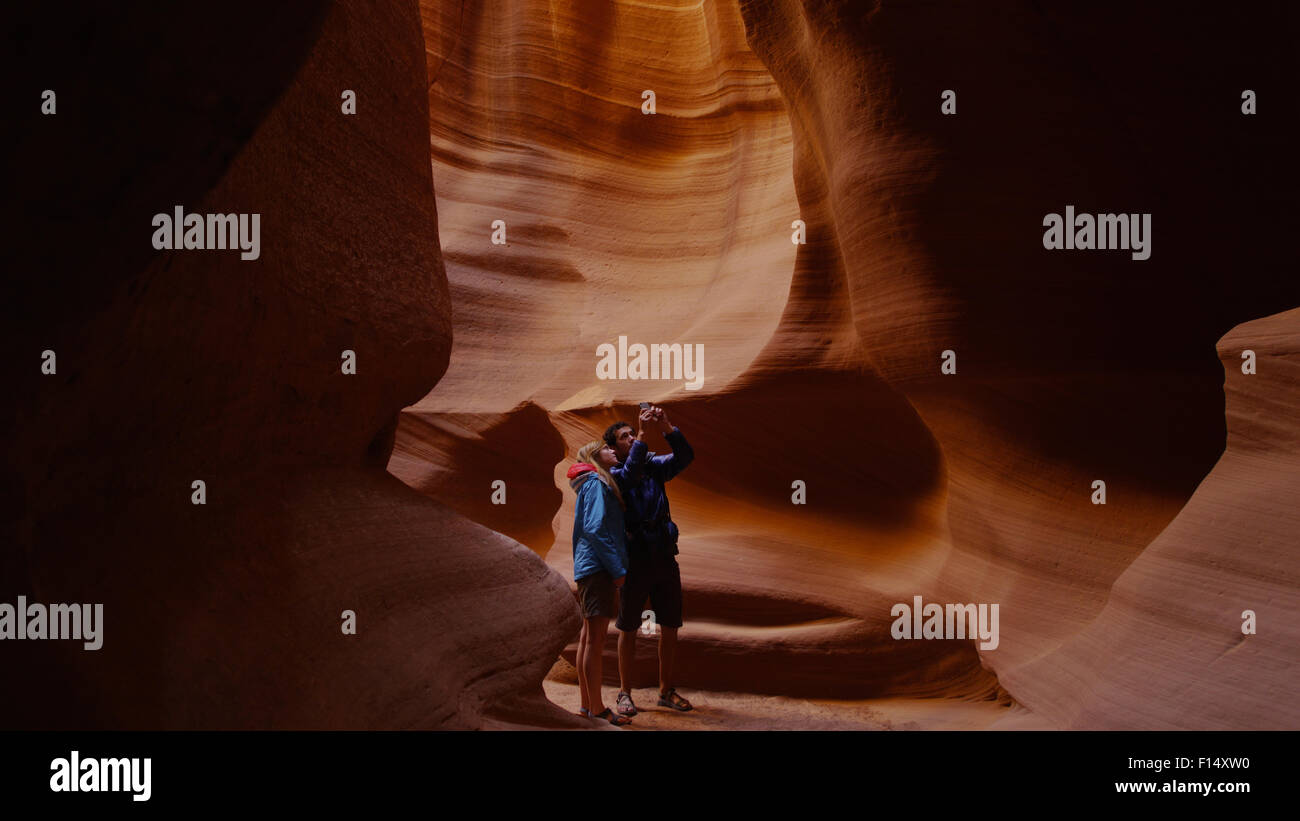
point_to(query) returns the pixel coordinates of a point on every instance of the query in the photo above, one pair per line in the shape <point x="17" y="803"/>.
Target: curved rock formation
<point x="1168" y="650"/>
<point x="525" y="338"/>
<point x="1080" y="367"/>
<point x="179" y="366"/>
<point x="822" y="364"/>
<point x="536" y="120"/>
<point x="924" y="235"/>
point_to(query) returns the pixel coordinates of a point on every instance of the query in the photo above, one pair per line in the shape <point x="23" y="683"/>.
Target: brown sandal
<point x="612" y="718"/>
<point x="673" y="700"/>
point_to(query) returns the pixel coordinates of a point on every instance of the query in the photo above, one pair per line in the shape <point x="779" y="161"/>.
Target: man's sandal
<point x="624" y="704"/>
<point x="673" y="700"/>
<point x="616" y="720"/>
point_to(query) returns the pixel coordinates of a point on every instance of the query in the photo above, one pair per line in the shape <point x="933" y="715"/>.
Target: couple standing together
<point x="624" y="540"/>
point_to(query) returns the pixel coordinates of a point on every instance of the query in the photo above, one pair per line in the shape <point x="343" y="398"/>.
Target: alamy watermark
<point x="638" y="361"/>
<point x="76" y="774"/>
<point x="946" y="621"/>
<point x="649" y="627"/>
<point x="206" y="232"/>
<point x="1103" y="232"/>
<point x="82" y="622"/>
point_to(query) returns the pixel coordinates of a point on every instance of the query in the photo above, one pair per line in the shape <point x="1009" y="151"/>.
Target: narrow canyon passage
<point x="276" y="475"/>
<point x="673" y="227"/>
<point x="823" y="358"/>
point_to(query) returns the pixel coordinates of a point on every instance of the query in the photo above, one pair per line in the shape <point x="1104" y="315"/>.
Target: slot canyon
<point x="476" y="361"/>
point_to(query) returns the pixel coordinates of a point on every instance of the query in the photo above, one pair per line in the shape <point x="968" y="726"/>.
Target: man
<point x="652" y="549"/>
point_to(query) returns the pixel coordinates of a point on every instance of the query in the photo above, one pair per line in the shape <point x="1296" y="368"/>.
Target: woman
<point x="599" y="566"/>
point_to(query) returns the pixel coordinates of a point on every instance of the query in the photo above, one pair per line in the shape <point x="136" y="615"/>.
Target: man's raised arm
<point x="673" y="463"/>
<point x="634" y="466"/>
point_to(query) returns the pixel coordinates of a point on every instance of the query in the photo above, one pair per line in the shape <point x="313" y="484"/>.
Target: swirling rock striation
<point x="924" y="236"/>
<point x="194" y="365"/>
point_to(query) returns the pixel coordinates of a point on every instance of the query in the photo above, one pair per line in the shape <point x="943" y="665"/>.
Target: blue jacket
<point x="641" y="478"/>
<point x="598" y="536"/>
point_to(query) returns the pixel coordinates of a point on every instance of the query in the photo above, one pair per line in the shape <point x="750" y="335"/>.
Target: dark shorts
<point x="596" y="595"/>
<point x="657" y="581"/>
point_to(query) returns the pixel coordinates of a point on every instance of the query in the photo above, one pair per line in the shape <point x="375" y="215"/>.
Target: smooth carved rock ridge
<point x="372" y="492"/>
<point x="184" y="366"/>
<point x="923" y="236"/>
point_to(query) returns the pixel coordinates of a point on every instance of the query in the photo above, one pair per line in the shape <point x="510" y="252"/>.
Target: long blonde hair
<point x="588" y="453"/>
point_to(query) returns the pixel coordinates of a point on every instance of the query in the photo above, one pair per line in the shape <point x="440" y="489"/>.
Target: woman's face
<point x="606" y="457"/>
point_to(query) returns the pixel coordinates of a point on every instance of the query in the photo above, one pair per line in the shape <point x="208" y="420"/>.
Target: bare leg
<point x="667" y="656"/>
<point x="582" y="670"/>
<point x="626" y="659"/>
<point x="591" y="662"/>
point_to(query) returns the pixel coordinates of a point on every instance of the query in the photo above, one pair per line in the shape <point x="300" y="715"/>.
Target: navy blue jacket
<point x="641" y="478"/>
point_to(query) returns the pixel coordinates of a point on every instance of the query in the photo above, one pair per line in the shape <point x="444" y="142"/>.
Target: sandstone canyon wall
<point x="177" y="366"/>
<point x="924" y="235"/>
<point x="475" y="360"/>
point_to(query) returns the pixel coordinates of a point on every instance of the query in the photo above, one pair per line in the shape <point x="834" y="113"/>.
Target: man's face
<point x="623" y="442"/>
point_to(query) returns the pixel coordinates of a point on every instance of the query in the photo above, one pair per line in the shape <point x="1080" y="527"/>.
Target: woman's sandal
<point x="673" y="700"/>
<point x="624" y="704"/>
<point x="612" y="718"/>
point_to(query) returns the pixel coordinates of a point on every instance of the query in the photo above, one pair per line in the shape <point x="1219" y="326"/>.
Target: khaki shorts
<point x="596" y="596"/>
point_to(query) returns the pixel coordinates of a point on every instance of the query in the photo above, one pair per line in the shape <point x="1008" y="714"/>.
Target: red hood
<point x="580" y="468"/>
